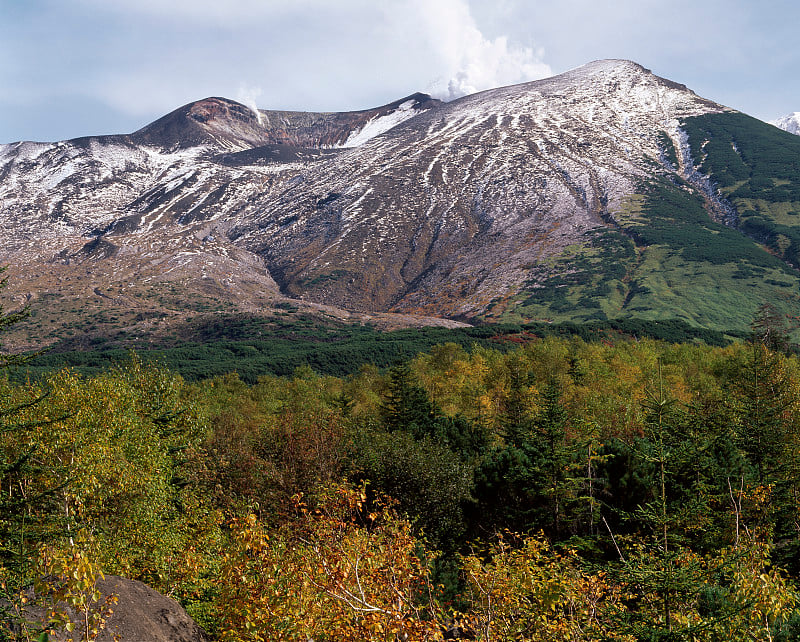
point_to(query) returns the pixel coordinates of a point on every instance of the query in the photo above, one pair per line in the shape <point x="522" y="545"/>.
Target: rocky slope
<point x="462" y="210"/>
<point x="120" y="230"/>
<point x="462" y="205"/>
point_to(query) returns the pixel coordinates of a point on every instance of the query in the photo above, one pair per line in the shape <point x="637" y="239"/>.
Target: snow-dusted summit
<point x="790" y="123"/>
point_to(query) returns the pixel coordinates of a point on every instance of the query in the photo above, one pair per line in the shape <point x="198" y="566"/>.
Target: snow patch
<point x="380" y="124"/>
<point x="177" y="181"/>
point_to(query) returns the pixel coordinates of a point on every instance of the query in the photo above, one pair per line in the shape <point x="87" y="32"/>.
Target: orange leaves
<point x="338" y="571"/>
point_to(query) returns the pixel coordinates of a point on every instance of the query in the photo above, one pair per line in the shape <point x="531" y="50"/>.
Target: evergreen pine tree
<point x="554" y="453"/>
<point x="406" y="405"/>
<point x="27" y="515"/>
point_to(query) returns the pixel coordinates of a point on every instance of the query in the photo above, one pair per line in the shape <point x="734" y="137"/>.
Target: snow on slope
<point x="380" y="124"/>
<point x="422" y="213"/>
<point x="80" y="185"/>
<point x="442" y="211"/>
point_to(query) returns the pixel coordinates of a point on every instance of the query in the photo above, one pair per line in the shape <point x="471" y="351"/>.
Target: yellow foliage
<point x="530" y="593"/>
<point x="339" y="573"/>
<point x="68" y="580"/>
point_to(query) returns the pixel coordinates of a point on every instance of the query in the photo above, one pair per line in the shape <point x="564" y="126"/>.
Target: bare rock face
<point x="141" y="615"/>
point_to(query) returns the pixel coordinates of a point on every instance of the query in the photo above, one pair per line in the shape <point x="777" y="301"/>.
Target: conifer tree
<point x="17" y="461"/>
<point x="554" y="452"/>
<point x="662" y="576"/>
<point x="406" y="405"/>
<point x="25" y="520"/>
<point x="763" y="396"/>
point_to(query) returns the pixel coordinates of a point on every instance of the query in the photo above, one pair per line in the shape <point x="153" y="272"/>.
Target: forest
<point x="253" y="347"/>
<point x="564" y="489"/>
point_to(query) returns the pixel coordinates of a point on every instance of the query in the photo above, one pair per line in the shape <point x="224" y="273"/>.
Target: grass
<point x="670" y="260"/>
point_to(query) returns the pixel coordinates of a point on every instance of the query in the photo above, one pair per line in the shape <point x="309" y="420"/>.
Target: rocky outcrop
<point x="140" y="615"/>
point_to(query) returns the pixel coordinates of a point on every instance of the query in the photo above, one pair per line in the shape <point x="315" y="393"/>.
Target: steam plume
<point x="247" y="96"/>
<point x="471" y="61"/>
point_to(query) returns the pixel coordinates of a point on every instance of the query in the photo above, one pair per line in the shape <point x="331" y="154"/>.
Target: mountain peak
<point x="204" y="122"/>
<point x="790" y="123"/>
<point x="613" y="65"/>
<point x="217" y="108"/>
<point x="615" y="69"/>
<point x="418" y="100"/>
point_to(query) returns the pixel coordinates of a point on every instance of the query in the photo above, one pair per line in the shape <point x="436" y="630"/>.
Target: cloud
<point x="212" y="12"/>
<point x="470" y="61"/>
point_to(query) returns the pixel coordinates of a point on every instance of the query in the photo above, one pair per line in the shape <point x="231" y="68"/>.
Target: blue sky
<point x="78" y="67"/>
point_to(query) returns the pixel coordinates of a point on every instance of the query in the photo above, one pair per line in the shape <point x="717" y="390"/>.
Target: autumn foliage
<point x="338" y="571"/>
<point x="564" y="490"/>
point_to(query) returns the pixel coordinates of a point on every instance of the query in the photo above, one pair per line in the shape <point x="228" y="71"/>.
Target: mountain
<point x="604" y="192"/>
<point x="790" y="123"/>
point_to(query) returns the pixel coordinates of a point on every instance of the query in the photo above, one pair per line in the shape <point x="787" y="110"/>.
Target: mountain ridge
<point x="233" y="125"/>
<point x="536" y="201"/>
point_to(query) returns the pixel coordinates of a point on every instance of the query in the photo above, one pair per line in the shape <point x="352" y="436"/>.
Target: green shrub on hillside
<point x="733" y="147"/>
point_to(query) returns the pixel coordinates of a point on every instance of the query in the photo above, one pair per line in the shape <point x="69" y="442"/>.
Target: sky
<point x="72" y="68"/>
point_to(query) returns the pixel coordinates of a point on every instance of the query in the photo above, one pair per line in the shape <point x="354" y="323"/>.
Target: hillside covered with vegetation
<point x="561" y="489"/>
<point x="662" y="256"/>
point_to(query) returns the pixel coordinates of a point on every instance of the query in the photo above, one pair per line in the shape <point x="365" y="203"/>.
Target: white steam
<point x="247" y="96"/>
<point x="470" y="61"/>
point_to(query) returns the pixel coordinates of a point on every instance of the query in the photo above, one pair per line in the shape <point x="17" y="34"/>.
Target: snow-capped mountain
<point x="458" y="206"/>
<point x="790" y="123"/>
<point x="462" y="210"/>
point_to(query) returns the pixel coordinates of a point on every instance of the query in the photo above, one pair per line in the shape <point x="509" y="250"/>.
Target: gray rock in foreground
<point x="140" y="615"/>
